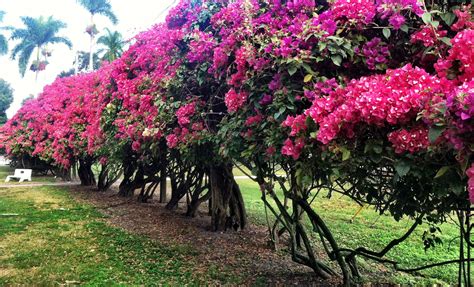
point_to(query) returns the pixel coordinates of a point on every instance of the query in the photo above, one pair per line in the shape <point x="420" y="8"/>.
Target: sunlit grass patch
<point x="372" y="230"/>
<point x="41" y="244"/>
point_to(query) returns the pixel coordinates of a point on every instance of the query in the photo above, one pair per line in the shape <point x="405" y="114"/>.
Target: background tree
<point x="113" y="42"/>
<point x="83" y="61"/>
<point x="67" y="73"/>
<point x="3" y="39"/>
<point x="25" y="100"/>
<point x="6" y="98"/>
<point x="81" y="64"/>
<point x="37" y="33"/>
<point x="96" y="7"/>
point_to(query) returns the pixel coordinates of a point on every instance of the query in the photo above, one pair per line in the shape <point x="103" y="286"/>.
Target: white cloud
<point x="134" y="16"/>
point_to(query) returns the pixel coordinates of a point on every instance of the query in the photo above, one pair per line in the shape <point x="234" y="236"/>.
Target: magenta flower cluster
<point x="234" y="100"/>
<point x="413" y="140"/>
<point x="391" y="99"/>
<point x="375" y="52"/>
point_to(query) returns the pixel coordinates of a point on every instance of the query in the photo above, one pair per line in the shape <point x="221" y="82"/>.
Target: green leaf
<point x="458" y="188"/>
<point x="446" y="40"/>
<point x="335" y="174"/>
<point x="336" y="59"/>
<point x="442" y="171"/>
<point x="282" y="110"/>
<point x="322" y="46"/>
<point x="427" y="18"/>
<point x="308" y="68"/>
<point x="448" y="18"/>
<point x="434" y="133"/>
<point x="386" y="32"/>
<point x="402" y="167"/>
<point x="378" y="149"/>
<point x="367" y="148"/>
<point x="308" y="78"/>
<point x="404" y="28"/>
<point x="346" y="154"/>
<point x="292" y="70"/>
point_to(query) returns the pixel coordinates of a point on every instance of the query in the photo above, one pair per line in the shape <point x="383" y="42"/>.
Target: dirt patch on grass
<point x="42" y="199"/>
<point x="245" y="253"/>
<point x="25" y="241"/>
<point x="21" y="273"/>
<point x="7" y="272"/>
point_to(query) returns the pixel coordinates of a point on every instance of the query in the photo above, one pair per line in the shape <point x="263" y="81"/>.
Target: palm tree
<point x="114" y="45"/>
<point x="96" y="7"/>
<point x="82" y="59"/>
<point x="37" y="34"/>
<point x="3" y="39"/>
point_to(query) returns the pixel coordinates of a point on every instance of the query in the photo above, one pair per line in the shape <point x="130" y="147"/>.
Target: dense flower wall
<point x="354" y="75"/>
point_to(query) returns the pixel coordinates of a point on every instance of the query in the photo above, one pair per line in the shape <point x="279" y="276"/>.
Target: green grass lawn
<point x="47" y="239"/>
<point x="5" y="171"/>
<point x="371" y="230"/>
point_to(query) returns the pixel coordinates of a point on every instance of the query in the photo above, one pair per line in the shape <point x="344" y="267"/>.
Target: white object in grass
<point x="21" y="175"/>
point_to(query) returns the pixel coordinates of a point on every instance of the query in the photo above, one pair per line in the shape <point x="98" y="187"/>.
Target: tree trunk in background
<point x="177" y="192"/>
<point x="91" y="47"/>
<point x="64" y="174"/>
<point x="131" y="181"/>
<point x="108" y="176"/>
<point x="37" y="63"/>
<point x="228" y="210"/>
<point x="74" y="174"/>
<point x="85" y="173"/>
<point x="128" y="171"/>
<point x="163" y="184"/>
<point x="102" y="180"/>
<point x="196" y="202"/>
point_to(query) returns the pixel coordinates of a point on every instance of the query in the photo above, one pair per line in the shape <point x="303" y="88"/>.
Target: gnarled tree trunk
<point x="108" y="176"/>
<point x="133" y="179"/>
<point x="85" y="172"/>
<point x="228" y="209"/>
<point x="64" y="174"/>
<point x="199" y="194"/>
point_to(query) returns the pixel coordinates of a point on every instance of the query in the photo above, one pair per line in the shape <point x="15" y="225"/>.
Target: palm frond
<point x="3" y="45"/>
<point x="20" y="47"/>
<point x="24" y="58"/>
<point x="19" y="34"/>
<point x="62" y="40"/>
<point x="109" y="14"/>
<point x="99" y="7"/>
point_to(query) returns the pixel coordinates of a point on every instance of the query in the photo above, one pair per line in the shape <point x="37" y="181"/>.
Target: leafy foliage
<point x="113" y="43"/>
<point x="99" y="7"/>
<point x="3" y="39"/>
<point x="37" y="33"/>
<point x="6" y="98"/>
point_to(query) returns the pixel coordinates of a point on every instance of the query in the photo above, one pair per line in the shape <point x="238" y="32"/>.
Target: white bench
<point x="21" y="175"/>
